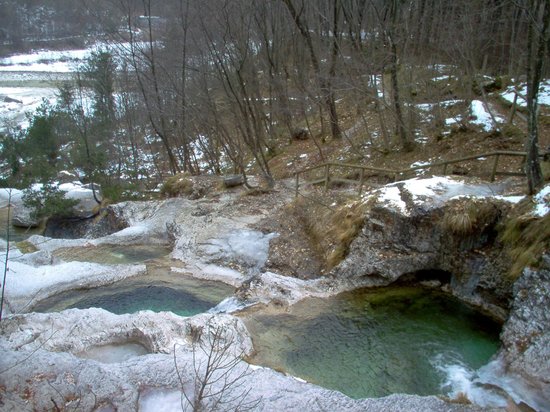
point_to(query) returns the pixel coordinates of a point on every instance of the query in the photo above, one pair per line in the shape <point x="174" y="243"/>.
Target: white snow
<point x="14" y="195"/>
<point x="113" y="353"/>
<point x="246" y="246"/>
<point x="542" y="202"/>
<point x="453" y="120"/>
<point x="160" y="400"/>
<point x="441" y="78"/>
<point x="212" y="272"/>
<point x="28" y="99"/>
<point x="543" y="98"/>
<point x="44" y="61"/>
<point x="391" y="195"/>
<point x="418" y="164"/>
<point x="510" y="199"/>
<point x="428" y="187"/>
<point x="482" y="117"/>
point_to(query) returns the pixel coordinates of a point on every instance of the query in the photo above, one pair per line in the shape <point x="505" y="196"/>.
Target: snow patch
<point x="391" y="195"/>
<point x="26" y="283"/>
<point x="482" y="117"/>
<point x="543" y="98"/>
<point x="542" y="202"/>
<point x="160" y="400"/>
<point x="249" y="247"/>
<point x="419" y="164"/>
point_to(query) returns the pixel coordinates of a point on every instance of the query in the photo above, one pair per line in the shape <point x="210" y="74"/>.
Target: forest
<point x="224" y="86"/>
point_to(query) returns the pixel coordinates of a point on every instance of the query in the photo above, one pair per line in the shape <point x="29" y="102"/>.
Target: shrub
<point x="48" y="201"/>
<point x="331" y="229"/>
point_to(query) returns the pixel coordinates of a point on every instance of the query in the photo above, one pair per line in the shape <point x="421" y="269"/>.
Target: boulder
<point x="300" y="134"/>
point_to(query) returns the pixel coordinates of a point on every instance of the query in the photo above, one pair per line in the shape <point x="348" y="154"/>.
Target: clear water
<point x="374" y="343"/>
<point x="112" y="254"/>
<point x="179" y="294"/>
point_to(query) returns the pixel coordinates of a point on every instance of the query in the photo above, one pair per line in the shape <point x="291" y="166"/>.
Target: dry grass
<point x="466" y="217"/>
<point x="525" y="237"/>
<point x="177" y="185"/>
<point x="331" y="229"/>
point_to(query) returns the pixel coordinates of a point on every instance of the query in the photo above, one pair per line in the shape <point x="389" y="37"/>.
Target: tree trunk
<point x="536" y="43"/>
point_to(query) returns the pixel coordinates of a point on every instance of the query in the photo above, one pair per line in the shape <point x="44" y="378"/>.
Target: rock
<point x="526" y="334"/>
<point x="75" y="190"/>
<point x="87" y="203"/>
<point x="65" y="176"/>
<point x="8" y="99"/>
<point x="106" y="222"/>
<point x="405" y="233"/>
<point x="233" y="180"/>
<point x="22" y="217"/>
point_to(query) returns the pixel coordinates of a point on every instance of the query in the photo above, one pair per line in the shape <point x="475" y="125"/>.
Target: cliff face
<point x="526" y="335"/>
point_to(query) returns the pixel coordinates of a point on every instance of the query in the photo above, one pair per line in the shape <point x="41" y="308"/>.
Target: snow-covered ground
<point x="544" y="94"/>
<point x="482" y="117"/>
<point x="20" y="73"/>
<point x="437" y="190"/>
<point x="16" y="102"/>
<point x="45" y="61"/>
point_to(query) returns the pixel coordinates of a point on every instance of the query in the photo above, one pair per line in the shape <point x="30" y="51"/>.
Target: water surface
<point x="17" y="234"/>
<point x="374" y="343"/>
<point x="182" y="295"/>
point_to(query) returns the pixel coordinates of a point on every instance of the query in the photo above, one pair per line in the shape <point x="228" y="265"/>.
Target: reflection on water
<point x="183" y="295"/>
<point x="373" y="343"/>
<point x="17" y="234"/>
<point x="112" y="254"/>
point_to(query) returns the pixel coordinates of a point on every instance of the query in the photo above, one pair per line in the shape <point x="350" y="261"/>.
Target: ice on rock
<point x="248" y="247"/>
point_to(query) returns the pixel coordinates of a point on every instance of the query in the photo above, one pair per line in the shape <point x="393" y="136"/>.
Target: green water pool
<point x="183" y="295"/>
<point x="372" y="343"/>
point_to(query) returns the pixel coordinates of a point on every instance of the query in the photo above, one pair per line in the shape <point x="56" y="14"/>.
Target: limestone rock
<point x="526" y="334"/>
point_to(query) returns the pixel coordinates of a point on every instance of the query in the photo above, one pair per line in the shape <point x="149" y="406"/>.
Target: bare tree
<point x="325" y="82"/>
<point x="218" y="376"/>
<point x="537" y="43"/>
